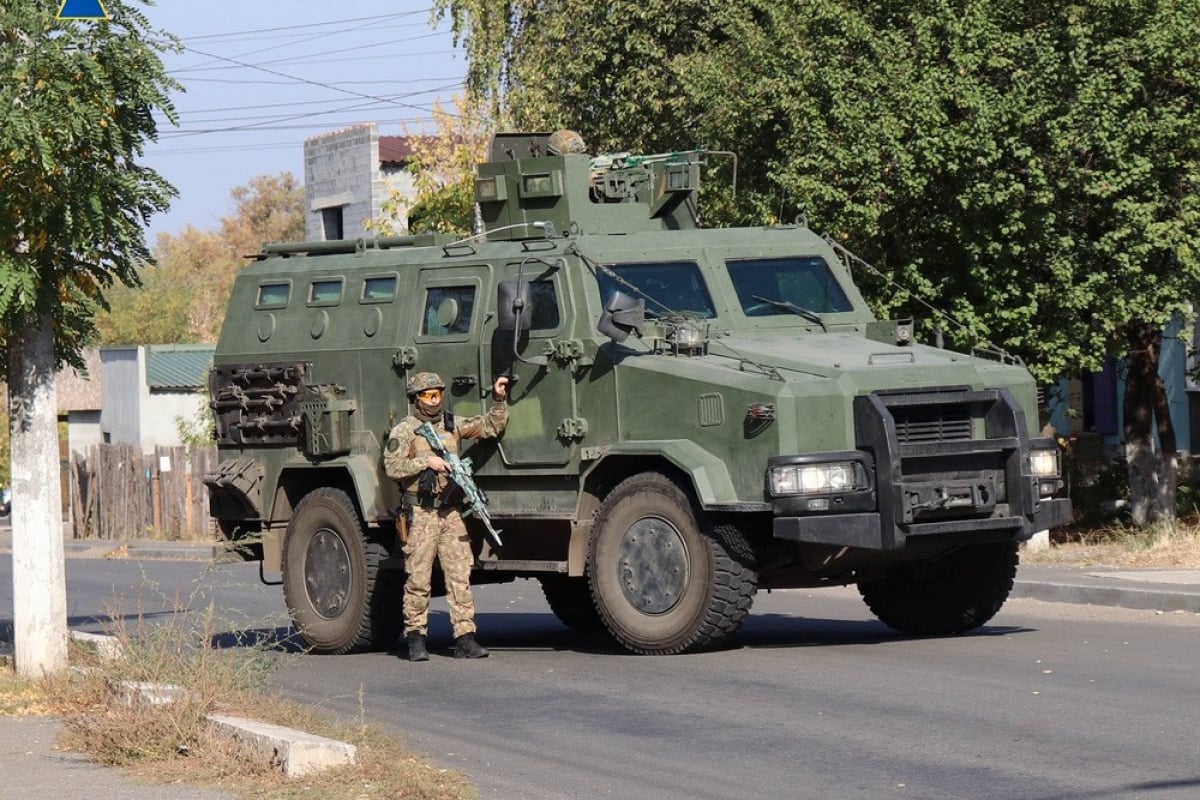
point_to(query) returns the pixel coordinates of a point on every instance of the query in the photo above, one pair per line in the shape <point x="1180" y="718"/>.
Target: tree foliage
<point x="78" y="102"/>
<point x="442" y="167"/>
<point x="1028" y="169"/>
<point x="183" y="295"/>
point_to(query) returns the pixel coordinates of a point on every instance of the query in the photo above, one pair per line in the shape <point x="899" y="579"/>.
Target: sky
<point x="261" y="76"/>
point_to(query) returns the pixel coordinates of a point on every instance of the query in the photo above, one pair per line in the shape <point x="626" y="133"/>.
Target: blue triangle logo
<point x="82" y="9"/>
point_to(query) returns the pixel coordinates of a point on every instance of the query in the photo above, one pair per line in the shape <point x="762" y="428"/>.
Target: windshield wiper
<point x="799" y="311"/>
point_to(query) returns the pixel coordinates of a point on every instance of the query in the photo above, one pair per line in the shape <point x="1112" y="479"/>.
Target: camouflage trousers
<point x="440" y="534"/>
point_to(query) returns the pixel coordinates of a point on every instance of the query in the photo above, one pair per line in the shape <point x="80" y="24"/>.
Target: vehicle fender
<point x="357" y="475"/>
<point x="708" y="473"/>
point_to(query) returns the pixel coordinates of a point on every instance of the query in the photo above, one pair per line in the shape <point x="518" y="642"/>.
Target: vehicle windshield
<point x="666" y="286"/>
<point x="790" y="286"/>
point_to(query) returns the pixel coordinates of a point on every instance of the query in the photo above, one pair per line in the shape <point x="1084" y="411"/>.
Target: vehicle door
<point x="544" y="428"/>
<point x="445" y="319"/>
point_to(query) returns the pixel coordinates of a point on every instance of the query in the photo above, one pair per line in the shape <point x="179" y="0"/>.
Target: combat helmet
<point x="565" y="141"/>
<point x="424" y="380"/>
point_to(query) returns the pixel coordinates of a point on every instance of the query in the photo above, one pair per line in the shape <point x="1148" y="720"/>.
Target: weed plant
<point x="218" y="670"/>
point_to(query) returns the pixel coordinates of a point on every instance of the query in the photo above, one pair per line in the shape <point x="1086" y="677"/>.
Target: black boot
<point x="465" y="646"/>
<point x="416" y="647"/>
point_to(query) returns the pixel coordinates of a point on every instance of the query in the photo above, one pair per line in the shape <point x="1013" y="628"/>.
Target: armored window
<point x="668" y="287"/>
<point x="448" y="310"/>
<point x="544" y="299"/>
<point x="325" y="292"/>
<point x="379" y="290"/>
<point x="766" y="286"/>
<point x="273" y="295"/>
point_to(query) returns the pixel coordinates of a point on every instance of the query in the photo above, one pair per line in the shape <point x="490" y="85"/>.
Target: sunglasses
<point x="429" y="394"/>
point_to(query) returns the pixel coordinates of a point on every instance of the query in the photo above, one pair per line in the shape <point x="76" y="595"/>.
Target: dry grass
<point x="1161" y="546"/>
<point x="172" y="743"/>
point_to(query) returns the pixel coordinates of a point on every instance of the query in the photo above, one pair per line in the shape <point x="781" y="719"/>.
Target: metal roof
<point x="178" y="366"/>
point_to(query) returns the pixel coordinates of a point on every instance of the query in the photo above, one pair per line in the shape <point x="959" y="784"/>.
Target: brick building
<point x="348" y="174"/>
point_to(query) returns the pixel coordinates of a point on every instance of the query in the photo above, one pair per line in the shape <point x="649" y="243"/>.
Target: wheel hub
<point x="327" y="573"/>
<point x="653" y="565"/>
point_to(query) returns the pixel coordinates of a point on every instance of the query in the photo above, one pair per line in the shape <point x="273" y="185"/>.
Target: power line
<point x="167" y="136"/>
<point x="205" y="37"/>
<point x="262" y="82"/>
<point x="324" y="37"/>
<point x="270" y="118"/>
<point x="308" y="81"/>
<point x="306" y="60"/>
<point x="260" y="106"/>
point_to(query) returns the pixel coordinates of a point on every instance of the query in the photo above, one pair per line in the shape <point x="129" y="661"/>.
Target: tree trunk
<point x="39" y="582"/>
<point x="1151" y="483"/>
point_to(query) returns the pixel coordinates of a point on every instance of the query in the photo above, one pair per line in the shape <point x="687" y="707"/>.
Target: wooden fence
<point x="117" y="492"/>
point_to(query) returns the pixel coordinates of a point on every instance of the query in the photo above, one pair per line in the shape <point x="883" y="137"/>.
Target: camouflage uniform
<point x="437" y="532"/>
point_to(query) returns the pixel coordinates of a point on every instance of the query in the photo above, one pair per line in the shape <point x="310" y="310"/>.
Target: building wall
<point x="83" y="430"/>
<point x="341" y="170"/>
<point x="1093" y="406"/>
<point x="124" y="388"/>
<point x="159" y="423"/>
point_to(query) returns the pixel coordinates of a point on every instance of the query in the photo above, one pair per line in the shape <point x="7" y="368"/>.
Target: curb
<point x="1088" y="589"/>
<point x="145" y="549"/>
<point x="293" y="752"/>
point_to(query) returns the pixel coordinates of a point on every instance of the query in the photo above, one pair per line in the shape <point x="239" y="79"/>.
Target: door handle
<point x="464" y="381"/>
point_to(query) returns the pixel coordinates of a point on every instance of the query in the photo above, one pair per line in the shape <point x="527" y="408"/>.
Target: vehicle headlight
<point x="1044" y="463"/>
<point x="1045" y="467"/>
<point x="824" y="478"/>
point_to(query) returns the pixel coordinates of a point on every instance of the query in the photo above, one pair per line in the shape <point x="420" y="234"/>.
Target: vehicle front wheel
<point x="953" y="593"/>
<point x="571" y="601"/>
<point x="338" y="597"/>
<point x="662" y="584"/>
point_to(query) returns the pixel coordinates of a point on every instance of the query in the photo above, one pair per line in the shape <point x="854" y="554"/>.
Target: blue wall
<point x="1104" y="392"/>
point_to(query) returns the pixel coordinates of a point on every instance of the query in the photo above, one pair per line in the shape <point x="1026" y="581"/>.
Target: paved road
<point x="1049" y="702"/>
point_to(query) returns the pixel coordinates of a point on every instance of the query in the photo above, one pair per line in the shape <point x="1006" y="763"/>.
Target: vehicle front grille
<point x="923" y="424"/>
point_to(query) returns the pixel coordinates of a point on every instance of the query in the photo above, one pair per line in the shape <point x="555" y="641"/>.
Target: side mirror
<point x="514" y="306"/>
<point x="622" y="315"/>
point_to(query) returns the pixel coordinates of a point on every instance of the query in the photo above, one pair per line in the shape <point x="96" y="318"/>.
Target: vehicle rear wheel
<point x="571" y="601"/>
<point x="661" y="584"/>
<point x="951" y="594"/>
<point x="338" y="597"/>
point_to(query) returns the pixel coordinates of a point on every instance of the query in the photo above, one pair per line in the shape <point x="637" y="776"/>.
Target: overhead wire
<point x="374" y="98"/>
<point x="303" y="25"/>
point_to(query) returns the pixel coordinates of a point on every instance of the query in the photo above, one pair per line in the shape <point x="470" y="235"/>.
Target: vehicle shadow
<point x="543" y="632"/>
<point x="279" y="639"/>
<point x="524" y="631"/>
<point x="780" y="630"/>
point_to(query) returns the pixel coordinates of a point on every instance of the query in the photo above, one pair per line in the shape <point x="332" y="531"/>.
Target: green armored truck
<point x="696" y="414"/>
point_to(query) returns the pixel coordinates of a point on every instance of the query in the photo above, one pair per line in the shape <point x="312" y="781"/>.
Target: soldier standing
<point x="437" y="527"/>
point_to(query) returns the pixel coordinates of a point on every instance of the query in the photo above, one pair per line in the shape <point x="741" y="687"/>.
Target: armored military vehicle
<point x="696" y="414"/>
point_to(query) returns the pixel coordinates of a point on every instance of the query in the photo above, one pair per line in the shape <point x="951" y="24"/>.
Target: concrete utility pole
<point x="39" y="577"/>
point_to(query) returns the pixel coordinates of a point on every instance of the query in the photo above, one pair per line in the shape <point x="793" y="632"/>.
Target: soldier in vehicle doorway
<point x="437" y="527"/>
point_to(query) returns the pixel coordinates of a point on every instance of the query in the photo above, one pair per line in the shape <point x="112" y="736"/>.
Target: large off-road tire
<point x="661" y="582"/>
<point x="571" y="601"/>
<point x="951" y="594"/>
<point x="339" y="599"/>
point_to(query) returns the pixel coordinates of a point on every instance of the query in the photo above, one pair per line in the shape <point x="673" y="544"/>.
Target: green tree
<point x="182" y="296"/>
<point x="443" y="171"/>
<point x="1029" y="168"/>
<point x="78" y="101"/>
<point x="604" y="69"/>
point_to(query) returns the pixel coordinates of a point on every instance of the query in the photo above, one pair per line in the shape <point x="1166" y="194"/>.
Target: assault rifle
<point x="460" y="474"/>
